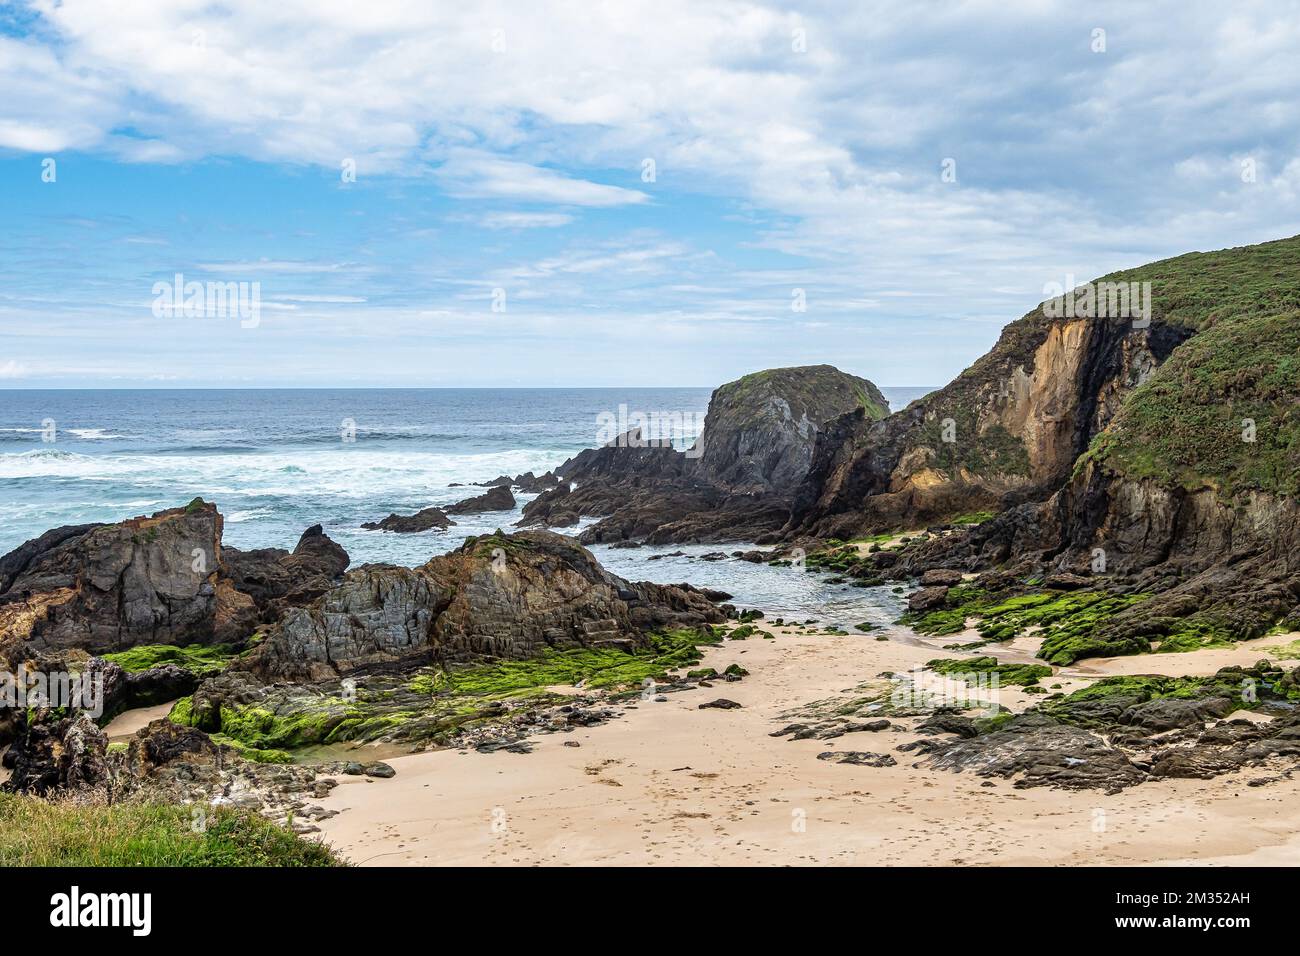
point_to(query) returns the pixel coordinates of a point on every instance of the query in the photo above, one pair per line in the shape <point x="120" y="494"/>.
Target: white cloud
<point x="524" y="220"/>
<point x="11" y="368"/>
<point x="340" y="299"/>
<point x="469" y="174"/>
<point x="1067" y="161"/>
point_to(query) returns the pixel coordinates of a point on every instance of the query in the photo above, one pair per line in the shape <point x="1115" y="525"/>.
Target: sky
<point x="568" y="194"/>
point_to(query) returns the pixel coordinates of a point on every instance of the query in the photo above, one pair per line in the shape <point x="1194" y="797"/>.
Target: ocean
<point x="276" y="461"/>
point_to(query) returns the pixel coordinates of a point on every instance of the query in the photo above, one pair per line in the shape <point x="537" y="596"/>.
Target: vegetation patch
<point x="200" y="659"/>
<point x="1073" y="624"/>
<point x="595" y="668"/>
<point x="1221" y="413"/>
<point x="35" y="832"/>
<point x="974" y="517"/>
<point x="435" y="704"/>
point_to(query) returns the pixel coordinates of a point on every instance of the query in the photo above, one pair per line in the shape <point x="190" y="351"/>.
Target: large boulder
<point x="154" y="580"/>
<point x="760" y="429"/>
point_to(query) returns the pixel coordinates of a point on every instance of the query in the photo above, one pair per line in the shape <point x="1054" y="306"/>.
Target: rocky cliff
<point x="1011" y="427"/>
<point x="1158" y="463"/>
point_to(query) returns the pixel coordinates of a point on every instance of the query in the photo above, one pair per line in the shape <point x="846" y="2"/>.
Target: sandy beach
<point x="669" y="783"/>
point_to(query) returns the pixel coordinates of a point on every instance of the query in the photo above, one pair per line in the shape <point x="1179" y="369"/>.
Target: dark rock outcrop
<point x="497" y="498"/>
<point x="734" y="484"/>
<point x="58" y="754"/>
<point x="276" y="579"/>
<point x="76" y="593"/>
<point x="531" y="484"/>
<point x="426" y="519"/>
<point x="497" y="596"/>
<point x="153" y="580"/>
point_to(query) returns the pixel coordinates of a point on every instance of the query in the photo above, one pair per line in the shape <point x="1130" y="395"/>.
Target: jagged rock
<point x="720" y="704"/>
<point x="497" y="499"/>
<point x="497" y="596"/>
<point x="276" y="579"/>
<point x="1170" y="713"/>
<point x="423" y="520"/>
<point x="733" y="486"/>
<point x="58" y="754"/>
<point x="530" y="484"/>
<point x="162" y="742"/>
<point x="1040" y="752"/>
<point x="106" y="587"/>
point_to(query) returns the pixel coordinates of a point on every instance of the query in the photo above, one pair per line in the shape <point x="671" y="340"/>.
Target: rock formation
<point x="427" y="519"/>
<point x="98" y="588"/>
<point x="498" y="498"/>
<point x="77" y="592"/>
<point x="500" y="596"/>
<point x="1157" y="459"/>
<point x="735" y="484"/>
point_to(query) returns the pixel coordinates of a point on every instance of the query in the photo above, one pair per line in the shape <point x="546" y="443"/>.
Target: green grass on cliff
<point x="36" y="832"/>
<point x="805" y="386"/>
<point x="1188" y="425"/>
<point x="1200" y="289"/>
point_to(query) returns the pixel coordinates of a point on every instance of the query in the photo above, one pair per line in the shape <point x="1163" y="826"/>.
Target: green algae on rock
<point x="433" y="705"/>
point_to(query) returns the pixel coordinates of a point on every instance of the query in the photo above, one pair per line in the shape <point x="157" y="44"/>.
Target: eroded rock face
<point x="58" y="754"/>
<point x="149" y="580"/>
<point x="1124" y="731"/>
<point x="757" y="445"/>
<point x="500" y="596"/>
<point x="164" y="579"/>
<point x="276" y="579"/>
<point x="1008" y="428"/>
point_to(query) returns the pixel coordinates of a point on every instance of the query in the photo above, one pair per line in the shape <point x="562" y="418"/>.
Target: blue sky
<point x="796" y="147"/>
